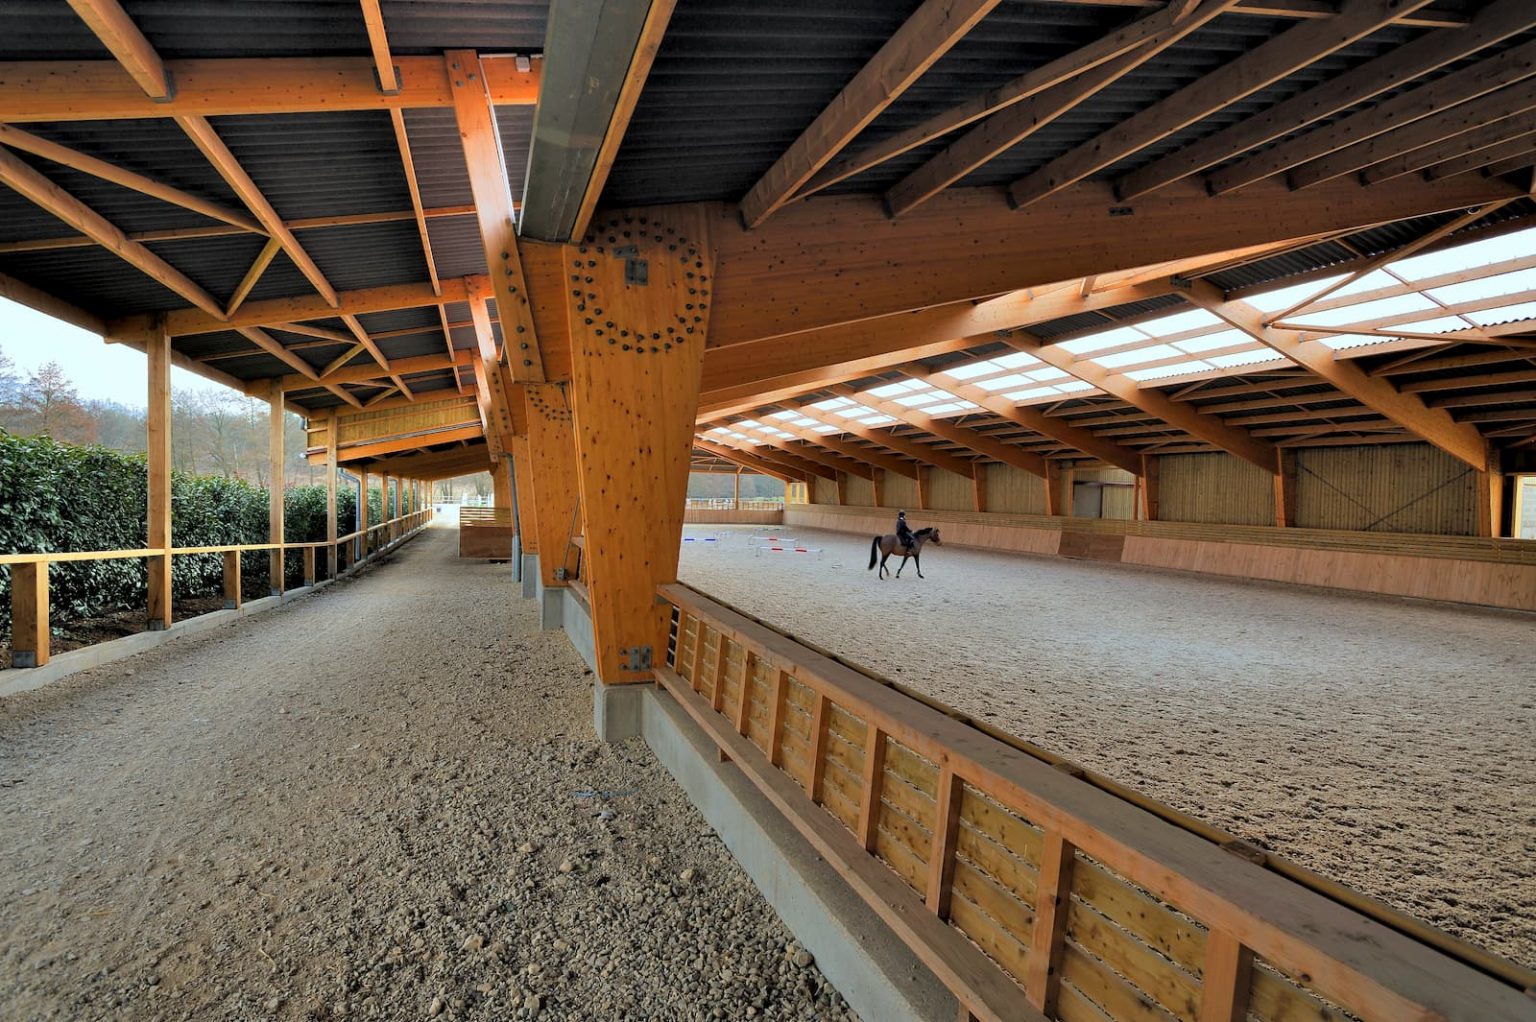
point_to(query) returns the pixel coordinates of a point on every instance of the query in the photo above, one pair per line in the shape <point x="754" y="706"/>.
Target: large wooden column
<point x="330" y="495"/>
<point x="1285" y="487"/>
<point x="158" y="433"/>
<point x="1489" y="497"/>
<point x="527" y="515"/>
<point x="637" y="347"/>
<point x="501" y="483"/>
<point x="551" y="474"/>
<point x="275" y="489"/>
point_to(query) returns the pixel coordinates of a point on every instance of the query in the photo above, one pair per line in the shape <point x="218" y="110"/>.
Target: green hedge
<point x="59" y="497"/>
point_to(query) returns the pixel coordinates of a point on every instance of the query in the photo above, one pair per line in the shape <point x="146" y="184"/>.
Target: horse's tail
<point x="874" y="553"/>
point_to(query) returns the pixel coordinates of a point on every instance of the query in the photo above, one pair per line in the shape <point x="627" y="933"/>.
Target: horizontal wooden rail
<point x="1502" y="550"/>
<point x="1029" y="891"/>
<point x="30" y="623"/>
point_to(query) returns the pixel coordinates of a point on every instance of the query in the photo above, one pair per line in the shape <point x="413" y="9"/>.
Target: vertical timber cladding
<point x="1386" y="488"/>
<point x="1214" y="489"/>
<point x="556" y="494"/>
<point x="638" y="296"/>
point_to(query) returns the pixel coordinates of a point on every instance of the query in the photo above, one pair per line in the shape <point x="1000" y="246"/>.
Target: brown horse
<point x="883" y="547"/>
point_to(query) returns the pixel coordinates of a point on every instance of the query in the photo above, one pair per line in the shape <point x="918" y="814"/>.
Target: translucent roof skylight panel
<point x="1179" y="369"/>
<point x="1487" y="287"/>
<point x="1034" y="393"/>
<point x="1376" y="280"/>
<point x="1468" y="256"/>
<point x="951" y="408"/>
<point x="1340" y="341"/>
<point x="1506" y="314"/>
<point x="1438" y="325"/>
<point x="825" y="428"/>
<point x="832" y="404"/>
<point x="1017" y="360"/>
<point x="1046" y="373"/>
<point x="748" y="424"/>
<point x="914" y="400"/>
<point x="1075" y="386"/>
<point x="786" y="414"/>
<point x="899" y="387"/>
<point x="1103" y="339"/>
<point x="1178" y="323"/>
<point x="975" y="369"/>
<point x="721" y="430"/>
<point x="1246" y="358"/>
<point x="1137" y="355"/>
<point x="1210" y="342"/>
<point x="1004" y="382"/>
<point x="1366" y="313"/>
<point x="1285" y="297"/>
<point x="877" y="420"/>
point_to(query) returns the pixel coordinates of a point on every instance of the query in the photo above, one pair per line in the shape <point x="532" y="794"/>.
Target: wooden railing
<point x="729" y="504"/>
<point x="1029" y="891"/>
<point x="30" y="642"/>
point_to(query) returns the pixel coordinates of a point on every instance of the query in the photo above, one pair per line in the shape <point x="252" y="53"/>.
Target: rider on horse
<point x="904" y="531"/>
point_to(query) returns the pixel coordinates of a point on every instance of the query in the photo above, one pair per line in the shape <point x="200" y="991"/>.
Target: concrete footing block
<point x="616" y="710"/>
<point x="530" y="576"/>
<point x="875" y="972"/>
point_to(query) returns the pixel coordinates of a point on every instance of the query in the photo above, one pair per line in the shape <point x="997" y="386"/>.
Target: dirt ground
<point x="383" y="802"/>
<point x="1390" y="744"/>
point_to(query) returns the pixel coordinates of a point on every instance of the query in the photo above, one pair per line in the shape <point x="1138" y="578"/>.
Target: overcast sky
<point x="100" y="371"/>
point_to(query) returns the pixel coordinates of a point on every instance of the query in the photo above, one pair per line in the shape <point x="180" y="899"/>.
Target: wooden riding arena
<point x="1238" y="288"/>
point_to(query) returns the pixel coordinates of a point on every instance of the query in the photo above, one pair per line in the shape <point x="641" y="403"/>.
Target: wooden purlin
<point x="820" y="455"/>
<point x="93" y="90"/>
<point x="923" y="454"/>
<point x="926" y="35"/>
<point x="494" y="213"/>
<point x="971" y="439"/>
<point x="875" y="458"/>
<point x="745" y="460"/>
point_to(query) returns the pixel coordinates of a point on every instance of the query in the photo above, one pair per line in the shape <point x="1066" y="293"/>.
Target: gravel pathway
<point x="1390" y="744"/>
<point x="383" y="802"/>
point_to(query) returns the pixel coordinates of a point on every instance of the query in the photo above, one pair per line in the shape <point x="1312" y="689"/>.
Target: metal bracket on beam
<point x="635" y="658"/>
<point x="637" y="272"/>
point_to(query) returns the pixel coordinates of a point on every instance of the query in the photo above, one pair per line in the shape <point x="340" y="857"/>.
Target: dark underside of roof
<point x="311" y="165"/>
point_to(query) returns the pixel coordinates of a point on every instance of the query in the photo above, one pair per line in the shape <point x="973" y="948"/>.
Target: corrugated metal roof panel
<point x="456" y="247"/>
<point x="368" y="255"/>
<point x="93" y="279"/>
<point x="45" y="29"/>
<point x="215" y="264"/>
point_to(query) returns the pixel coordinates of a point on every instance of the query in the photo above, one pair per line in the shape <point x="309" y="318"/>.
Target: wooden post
<point x="1228" y="975"/>
<point x="549" y="474"/>
<point x="362" y="511"/>
<point x="158" y="433"/>
<point x="232" y="580"/>
<point x="924" y="487"/>
<point x="1285" y="487"/>
<point x="309" y="566"/>
<point x="946" y="831"/>
<point x="1149" y="488"/>
<point x="331" y="564"/>
<point x="29" y="614"/>
<point x="878" y="483"/>
<point x="1043" y="978"/>
<point x="276" y="478"/>
<point x="736" y="491"/>
<point x="1068" y="488"/>
<point x="637" y="349"/>
<point x="1490" y="497"/>
<point x="842" y="489"/>
<point x="874" y="780"/>
<point x="501" y="484"/>
<point x="1052" y="483"/>
<point x="979" y="486"/>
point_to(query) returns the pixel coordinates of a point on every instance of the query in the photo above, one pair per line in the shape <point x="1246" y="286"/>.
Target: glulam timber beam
<point x="963" y="436"/>
<point x="394" y="445"/>
<point x="217" y="153"/>
<point x="1278" y="58"/>
<point x="1414" y="59"/>
<point x="1177" y="414"/>
<point x="926" y="35"/>
<point x="1295" y="10"/>
<point x="14" y="137"/>
<point x="649" y="41"/>
<point x="925" y="454"/>
<point x="118" y="33"/>
<point x="494" y="215"/>
<point x="88" y="90"/>
<point x="35" y="298"/>
<point x="1460" y="440"/>
<point x="803" y="468"/>
<point x="370" y="373"/>
<point x="761" y="466"/>
<point x="1012" y="125"/>
<point x="1033" y="418"/>
<point x="876" y="459"/>
<point x="1407" y="107"/>
<point x="36" y="188"/>
<point x="957" y="247"/>
<point x="378" y="42"/>
<point x="290" y="313"/>
<point x="1049" y="75"/>
<point x="823" y="456"/>
<point x="258" y="267"/>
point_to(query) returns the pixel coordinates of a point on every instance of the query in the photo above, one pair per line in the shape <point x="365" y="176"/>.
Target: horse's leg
<point x="903" y="564"/>
<point x="917" y="560"/>
<point x="885" y="556"/>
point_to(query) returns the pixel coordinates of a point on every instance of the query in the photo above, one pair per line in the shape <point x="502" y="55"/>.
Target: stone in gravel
<point x="435" y="1008"/>
<point x="803" y="959"/>
<point x="687" y="875"/>
<point x="474" y="942"/>
<point x="566" y="866"/>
